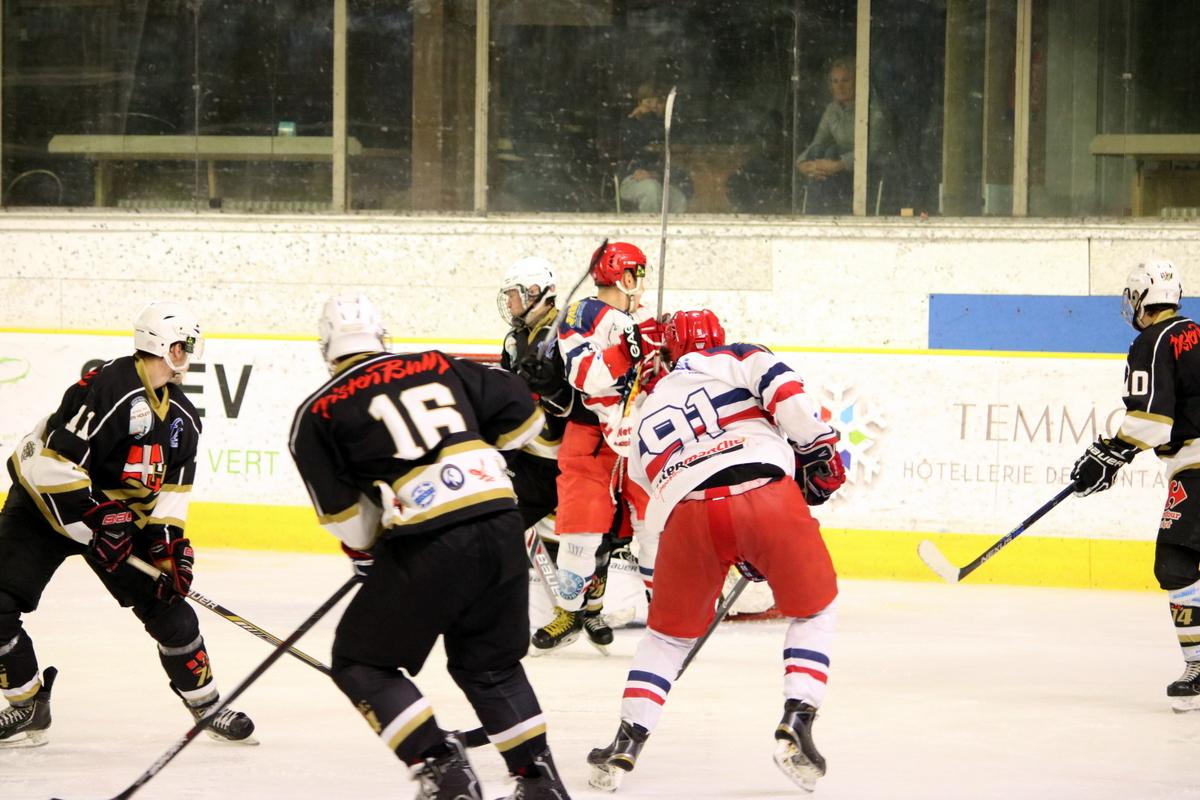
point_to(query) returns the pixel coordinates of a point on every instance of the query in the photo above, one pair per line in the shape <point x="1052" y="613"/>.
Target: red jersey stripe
<point x="789" y="389"/>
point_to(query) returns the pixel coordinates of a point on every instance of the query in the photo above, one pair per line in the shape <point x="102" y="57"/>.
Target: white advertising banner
<point x="935" y="443"/>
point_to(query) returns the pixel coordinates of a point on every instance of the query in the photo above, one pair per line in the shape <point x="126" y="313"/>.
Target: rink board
<point x="954" y="446"/>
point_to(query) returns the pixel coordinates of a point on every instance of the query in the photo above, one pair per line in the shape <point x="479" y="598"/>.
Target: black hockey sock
<point x="506" y="705"/>
<point x="18" y="666"/>
<point x="394" y="708"/>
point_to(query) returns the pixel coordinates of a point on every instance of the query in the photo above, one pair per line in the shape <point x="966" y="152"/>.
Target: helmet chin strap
<point x="178" y="369"/>
<point x="631" y="294"/>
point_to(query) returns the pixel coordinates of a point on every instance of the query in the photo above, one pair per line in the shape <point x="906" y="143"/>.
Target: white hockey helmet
<point x="161" y="325"/>
<point x="350" y="323"/>
<point x="522" y="276"/>
<point x="1151" y="283"/>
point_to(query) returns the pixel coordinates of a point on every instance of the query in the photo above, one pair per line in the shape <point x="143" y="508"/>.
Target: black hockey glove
<point x="545" y="375"/>
<point x="360" y="561"/>
<point x="1097" y="468"/>
<point x="819" y="470"/>
<point x="747" y="571"/>
<point x="112" y="533"/>
<point x="174" y="557"/>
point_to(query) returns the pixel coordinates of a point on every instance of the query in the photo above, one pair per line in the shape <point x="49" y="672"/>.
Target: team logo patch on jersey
<point x="481" y="473"/>
<point x="28" y="450"/>
<point x="176" y="431"/>
<point x="452" y="477"/>
<point x="146" y="465"/>
<point x="141" y="418"/>
<point x="1176" y="494"/>
<point x="424" y="493"/>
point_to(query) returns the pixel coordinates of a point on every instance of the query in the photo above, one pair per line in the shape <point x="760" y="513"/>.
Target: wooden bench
<point x="106" y="149"/>
<point x="1157" y="183"/>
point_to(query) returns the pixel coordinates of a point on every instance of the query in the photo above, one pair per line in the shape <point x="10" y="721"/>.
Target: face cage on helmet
<point x="528" y="302"/>
<point x="1131" y="307"/>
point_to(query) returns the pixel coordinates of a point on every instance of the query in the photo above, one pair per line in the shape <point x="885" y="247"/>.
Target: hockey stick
<point x="720" y="614"/>
<point x="206" y="720"/>
<point x="635" y="388"/>
<point x="475" y="737"/>
<point x="539" y="559"/>
<point x="544" y="347"/>
<point x="241" y="622"/>
<point x="666" y="199"/>
<point x="937" y="562"/>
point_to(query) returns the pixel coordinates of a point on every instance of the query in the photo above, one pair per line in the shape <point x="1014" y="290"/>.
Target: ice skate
<point x="559" y="632"/>
<point x="609" y="764"/>
<point x="546" y="785"/>
<point x="26" y="725"/>
<point x="228" y="725"/>
<point x="1184" y="693"/>
<point x="795" y="753"/>
<point x="599" y="634"/>
<point x="448" y="777"/>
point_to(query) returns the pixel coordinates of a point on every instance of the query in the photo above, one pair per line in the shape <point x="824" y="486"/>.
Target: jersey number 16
<point x="428" y="416"/>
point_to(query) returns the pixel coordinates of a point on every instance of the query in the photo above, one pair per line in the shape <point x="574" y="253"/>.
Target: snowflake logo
<point x="860" y="425"/>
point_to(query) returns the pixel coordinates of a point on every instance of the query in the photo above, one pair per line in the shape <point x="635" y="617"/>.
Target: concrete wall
<point x="844" y="283"/>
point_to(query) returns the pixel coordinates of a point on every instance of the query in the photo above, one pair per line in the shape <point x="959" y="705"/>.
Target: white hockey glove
<point x="1097" y="468"/>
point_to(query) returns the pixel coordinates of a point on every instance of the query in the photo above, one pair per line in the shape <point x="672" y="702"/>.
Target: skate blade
<point x="534" y="650"/>
<point x="605" y="777"/>
<point x="603" y="648"/>
<point x="249" y="741"/>
<point x="26" y="739"/>
<point x="1182" y="705"/>
<point x="791" y="762"/>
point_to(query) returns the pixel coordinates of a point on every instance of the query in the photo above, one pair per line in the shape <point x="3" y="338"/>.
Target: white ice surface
<point x="936" y="692"/>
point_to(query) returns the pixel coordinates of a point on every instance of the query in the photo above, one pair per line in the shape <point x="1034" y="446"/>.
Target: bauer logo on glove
<point x="1097" y="468"/>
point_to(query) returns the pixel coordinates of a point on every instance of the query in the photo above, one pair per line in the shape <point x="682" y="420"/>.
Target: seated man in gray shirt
<point x="828" y="162"/>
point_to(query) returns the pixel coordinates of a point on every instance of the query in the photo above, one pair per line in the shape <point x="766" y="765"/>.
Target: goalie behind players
<point x="715" y="446"/>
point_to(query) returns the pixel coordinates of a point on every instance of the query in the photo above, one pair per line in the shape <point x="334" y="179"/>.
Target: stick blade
<point x="670" y="107"/>
<point x="937" y="562"/>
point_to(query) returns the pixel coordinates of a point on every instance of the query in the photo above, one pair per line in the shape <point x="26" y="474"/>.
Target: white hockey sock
<point x="576" y="565"/>
<point x="651" y="675"/>
<point x="806" y="656"/>
<point x="647" y="551"/>
<point x="1185" y="612"/>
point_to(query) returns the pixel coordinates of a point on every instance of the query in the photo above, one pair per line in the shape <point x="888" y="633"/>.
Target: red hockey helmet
<point x="610" y="264"/>
<point x="688" y="331"/>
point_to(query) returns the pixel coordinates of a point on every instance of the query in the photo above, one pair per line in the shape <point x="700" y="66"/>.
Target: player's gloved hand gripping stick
<point x="241" y="622"/>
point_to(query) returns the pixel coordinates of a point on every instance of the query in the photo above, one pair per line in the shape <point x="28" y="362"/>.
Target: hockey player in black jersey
<point x="107" y="475"/>
<point x="400" y="454"/>
<point x="1162" y="412"/>
<point x="527" y="302"/>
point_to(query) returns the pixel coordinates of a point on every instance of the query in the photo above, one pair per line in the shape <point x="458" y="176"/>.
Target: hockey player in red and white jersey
<point x="716" y="446"/>
<point x="610" y="345"/>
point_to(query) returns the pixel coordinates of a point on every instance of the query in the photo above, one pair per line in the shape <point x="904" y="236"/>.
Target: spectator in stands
<point x="641" y="147"/>
<point x="828" y="161"/>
